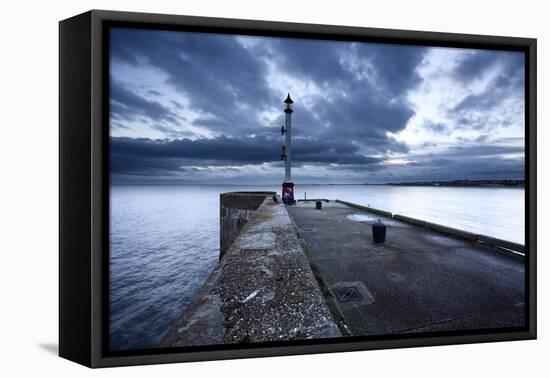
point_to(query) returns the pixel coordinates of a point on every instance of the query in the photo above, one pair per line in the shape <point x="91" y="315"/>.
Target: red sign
<point x="287" y="192"/>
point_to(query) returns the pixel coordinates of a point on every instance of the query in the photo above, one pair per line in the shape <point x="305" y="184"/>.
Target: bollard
<point x="318" y="205"/>
<point x="379" y="232"/>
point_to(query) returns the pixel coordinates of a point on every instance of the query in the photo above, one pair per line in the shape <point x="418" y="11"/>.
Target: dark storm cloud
<point x="216" y="72"/>
<point x="133" y="156"/>
<point x="509" y="82"/>
<point x="338" y="63"/>
<point x="221" y="77"/>
<point x="151" y="159"/>
<point x="359" y="101"/>
<point x="395" y="64"/>
<point x="466" y="162"/>
<point x="476" y="110"/>
<point x="477" y="62"/>
<point x="152" y="92"/>
<point x="318" y="61"/>
<point x="364" y="119"/>
<point x="219" y="150"/>
<point x="474" y="64"/>
<point x="487" y="161"/>
<point x="126" y="104"/>
<point x="448" y="170"/>
<point x="467" y="169"/>
<point x="364" y="88"/>
<point x="482" y="151"/>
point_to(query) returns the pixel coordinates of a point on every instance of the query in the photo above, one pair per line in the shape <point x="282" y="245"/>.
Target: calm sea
<point x="165" y="240"/>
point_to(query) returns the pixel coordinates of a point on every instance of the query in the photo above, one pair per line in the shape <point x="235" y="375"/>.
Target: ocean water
<point x="164" y="240"/>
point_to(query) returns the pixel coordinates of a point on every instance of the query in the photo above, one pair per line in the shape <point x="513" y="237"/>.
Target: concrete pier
<point x="298" y="272"/>
<point x="262" y="290"/>
<point x="419" y="280"/>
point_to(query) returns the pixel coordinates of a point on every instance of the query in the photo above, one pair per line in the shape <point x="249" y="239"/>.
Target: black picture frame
<point x="84" y="185"/>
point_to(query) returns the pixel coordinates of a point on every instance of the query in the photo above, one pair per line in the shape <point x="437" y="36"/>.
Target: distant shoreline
<point x="466" y="183"/>
<point x="519" y="184"/>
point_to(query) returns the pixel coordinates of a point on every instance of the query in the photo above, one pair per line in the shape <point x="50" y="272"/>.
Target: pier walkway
<point x="419" y="280"/>
<point x="297" y="272"/>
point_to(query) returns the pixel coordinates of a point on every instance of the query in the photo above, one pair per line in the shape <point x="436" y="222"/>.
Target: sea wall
<point x="470" y="236"/>
<point x="236" y="208"/>
<point x="262" y="290"/>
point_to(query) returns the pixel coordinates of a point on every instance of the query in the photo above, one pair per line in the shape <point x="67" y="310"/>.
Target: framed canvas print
<point x="234" y="188"/>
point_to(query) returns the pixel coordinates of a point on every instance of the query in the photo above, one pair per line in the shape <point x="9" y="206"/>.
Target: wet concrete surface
<point x="419" y="280"/>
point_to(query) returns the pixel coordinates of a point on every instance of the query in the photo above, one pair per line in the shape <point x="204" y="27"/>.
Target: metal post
<point x="288" y="144"/>
<point x="288" y="186"/>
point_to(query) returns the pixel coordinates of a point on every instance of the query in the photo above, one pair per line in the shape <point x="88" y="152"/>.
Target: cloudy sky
<point x="207" y="108"/>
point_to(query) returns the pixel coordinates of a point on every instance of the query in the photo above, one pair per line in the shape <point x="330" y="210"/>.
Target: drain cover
<point x="348" y="294"/>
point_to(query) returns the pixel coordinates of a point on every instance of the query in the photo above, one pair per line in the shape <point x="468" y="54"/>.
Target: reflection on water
<point x="164" y="240"/>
